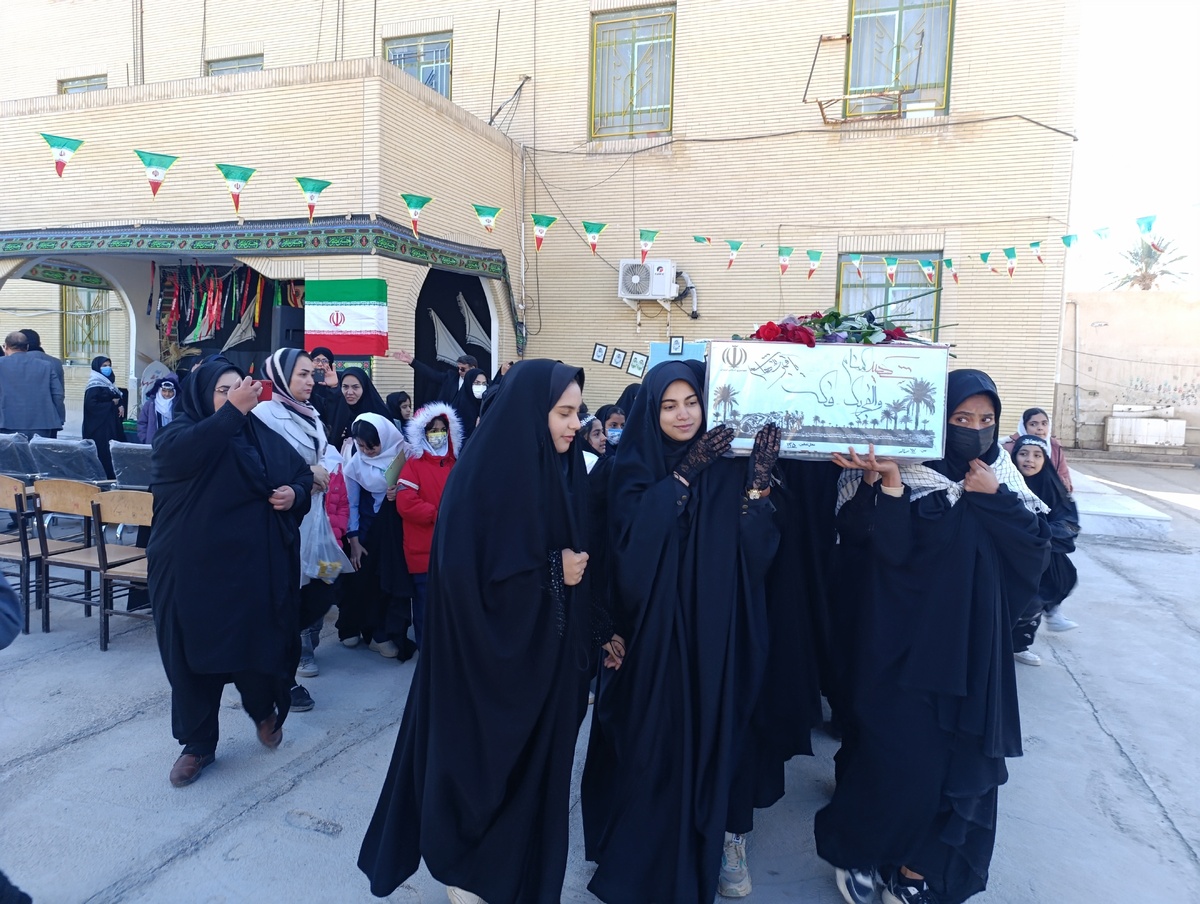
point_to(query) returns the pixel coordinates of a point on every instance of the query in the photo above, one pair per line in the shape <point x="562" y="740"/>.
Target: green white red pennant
<point x="487" y="215"/>
<point x="312" y="189"/>
<point x="63" y="148"/>
<point x="592" y="231"/>
<point x="646" y="239"/>
<point x="236" y="178"/>
<point x="890" y="264"/>
<point x="734" y="248"/>
<point x="785" y="258"/>
<point x="814" y="261"/>
<point x="929" y="270"/>
<point x="1036" y="248"/>
<point x="1145" y="224"/>
<point x="949" y="265"/>
<point x="702" y="239"/>
<point x="1069" y="240"/>
<point x="856" y="260"/>
<point x="1010" y="257"/>
<point x="415" y="204"/>
<point x="541" y="223"/>
<point x="156" y="168"/>
<point x="984" y="257"/>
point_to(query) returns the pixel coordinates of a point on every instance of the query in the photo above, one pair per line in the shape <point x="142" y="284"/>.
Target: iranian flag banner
<point x="785" y="258"/>
<point x="592" y="231"/>
<point x="63" y="148"/>
<point x="948" y="263"/>
<point x="1037" y="252"/>
<point x="814" y="261"/>
<point x="646" y="239"/>
<point x="1070" y="240"/>
<point x="541" y="223"/>
<point x="734" y="248"/>
<point x="415" y="204"/>
<point x="312" y="189"/>
<point x="702" y="239"/>
<point x="347" y="316"/>
<point x="156" y="168"/>
<point x="856" y="260"/>
<point x="1010" y="256"/>
<point x="890" y="264"/>
<point x="983" y="256"/>
<point x="929" y="270"/>
<point x="1145" y="225"/>
<point x="236" y="178"/>
<point x="487" y="215"/>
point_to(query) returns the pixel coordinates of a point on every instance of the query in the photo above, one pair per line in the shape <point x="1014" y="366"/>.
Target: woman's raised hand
<point x="707" y="449"/>
<point x="886" y="468"/>
<point x="244" y="395"/>
<point x="574" y="564"/>
<point x="981" y="478"/>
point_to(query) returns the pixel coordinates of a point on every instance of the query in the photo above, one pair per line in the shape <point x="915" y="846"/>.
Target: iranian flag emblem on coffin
<point x="347" y="316"/>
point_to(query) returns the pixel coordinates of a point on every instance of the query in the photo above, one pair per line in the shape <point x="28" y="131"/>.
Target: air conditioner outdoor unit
<point x="653" y="280"/>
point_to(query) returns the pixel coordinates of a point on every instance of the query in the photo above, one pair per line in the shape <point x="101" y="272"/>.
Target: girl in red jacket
<point x="435" y="433"/>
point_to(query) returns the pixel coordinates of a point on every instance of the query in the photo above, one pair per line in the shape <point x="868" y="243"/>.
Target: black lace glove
<point x="707" y="449"/>
<point x="764" y="456"/>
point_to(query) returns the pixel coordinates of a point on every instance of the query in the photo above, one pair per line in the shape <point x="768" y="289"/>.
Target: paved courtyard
<point x="1103" y="807"/>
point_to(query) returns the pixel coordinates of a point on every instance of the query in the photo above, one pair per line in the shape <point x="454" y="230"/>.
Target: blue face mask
<point x="614" y="435"/>
<point x="106" y="370"/>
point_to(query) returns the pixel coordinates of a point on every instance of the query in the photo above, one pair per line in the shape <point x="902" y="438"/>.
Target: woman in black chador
<point x="224" y="560"/>
<point x="480" y="779"/>
<point x="952" y="551"/>
<point x="692" y="538"/>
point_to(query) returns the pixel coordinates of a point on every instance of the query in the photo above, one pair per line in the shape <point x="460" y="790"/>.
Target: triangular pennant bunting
<point x="814" y="261"/>
<point x="541" y="222"/>
<point x="312" y="189"/>
<point x="856" y="260"/>
<point x="1010" y="257"/>
<point x="646" y="239"/>
<point x="1101" y="233"/>
<point x="592" y="231"/>
<point x="948" y="263"/>
<point x="1069" y="240"/>
<point x="414" y="203"/>
<point x="1036" y="248"/>
<point x="890" y="264"/>
<point x="702" y="239"/>
<point x="1145" y="224"/>
<point x="236" y="178"/>
<point x="984" y="257"/>
<point x="785" y="258"/>
<point x="156" y="168"/>
<point x="930" y="271"/>
<point x="63" y="148"/>
<point x="487" y="215"/>
<point x="734" y="247"/>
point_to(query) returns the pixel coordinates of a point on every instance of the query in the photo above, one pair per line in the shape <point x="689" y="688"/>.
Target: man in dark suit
<point x="448" y="381"/>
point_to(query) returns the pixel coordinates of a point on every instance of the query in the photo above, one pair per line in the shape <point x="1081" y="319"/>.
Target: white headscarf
<point x="368" y="473"/>
<point x="165" y="408"/>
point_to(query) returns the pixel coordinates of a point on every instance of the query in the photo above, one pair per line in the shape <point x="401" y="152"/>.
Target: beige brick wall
<point x="980" y="178"/>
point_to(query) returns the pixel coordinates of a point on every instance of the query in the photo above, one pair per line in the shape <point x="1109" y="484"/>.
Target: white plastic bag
<point x="321" y="556"/>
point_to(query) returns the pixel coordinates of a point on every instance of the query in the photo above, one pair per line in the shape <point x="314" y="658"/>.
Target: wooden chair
<point x="120" y="507"/>
<point x="19" y="548"/>
<point x="71" y="498"/>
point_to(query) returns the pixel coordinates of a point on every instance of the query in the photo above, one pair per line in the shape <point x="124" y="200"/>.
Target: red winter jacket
<point x="422" y="480"/>
<point x="337" y="505"/>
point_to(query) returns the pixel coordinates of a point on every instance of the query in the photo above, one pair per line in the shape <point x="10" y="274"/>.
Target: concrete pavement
<point x="1103" y="807"/>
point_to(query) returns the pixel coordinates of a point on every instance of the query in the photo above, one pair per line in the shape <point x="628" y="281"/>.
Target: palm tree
<point x="919" y="394"/>
<point x="725" y="398"/>
<point x="893" y="411"/>
<point x="1148" y="262"/>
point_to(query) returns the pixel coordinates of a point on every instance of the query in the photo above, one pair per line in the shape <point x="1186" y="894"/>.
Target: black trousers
<point x="196" y="705"/>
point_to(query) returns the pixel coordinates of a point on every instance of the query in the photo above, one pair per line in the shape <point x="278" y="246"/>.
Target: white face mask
<point x="478" y="389"/>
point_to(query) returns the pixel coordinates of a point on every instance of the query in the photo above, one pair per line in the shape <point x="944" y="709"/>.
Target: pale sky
<point x="1137" y="120"/>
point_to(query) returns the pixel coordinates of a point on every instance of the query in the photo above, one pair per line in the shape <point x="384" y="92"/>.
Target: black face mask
<point x="965" y="445"/>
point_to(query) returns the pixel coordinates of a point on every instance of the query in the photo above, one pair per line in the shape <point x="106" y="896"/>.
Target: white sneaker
<point x="459" y="896"/>
<point x="1056" y="621"/>
<point x="351" y="641"/>
<point x="387" y="649"/>
<point x="308" y="667"/>
<point x="1028" y="657"/>
<point x="734" y="880"/>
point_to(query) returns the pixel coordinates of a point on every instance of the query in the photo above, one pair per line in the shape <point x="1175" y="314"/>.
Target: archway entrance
<point x="453" y="317"/>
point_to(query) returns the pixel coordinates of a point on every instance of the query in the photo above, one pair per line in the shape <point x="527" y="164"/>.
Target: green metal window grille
<point x="84" y="323"/>
<point x="234" y="65"/>
<point x="913" y="299"/>
<point x="80" y="85"/>
<point x="898" y="61"/>
<point x="429" y="58"/>
<point x="633" y="72"/>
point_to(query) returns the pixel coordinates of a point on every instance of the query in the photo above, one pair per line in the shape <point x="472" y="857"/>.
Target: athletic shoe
<point x="302" y="700"/>
<point x="461" y="896"/>
<point x="1056" y="621"/>
<point x="902" y="890"/>
<point x="734" y="880"/>
<point x="1028" y="657"/>
<point x="387" y="649"/>
<point x="308" y="667"/>
<point x="351" y="641"/>
<point x="856" y="885"/>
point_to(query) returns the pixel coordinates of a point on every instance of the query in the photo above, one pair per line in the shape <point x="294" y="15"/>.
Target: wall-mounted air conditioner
<point x="653" y="280"/>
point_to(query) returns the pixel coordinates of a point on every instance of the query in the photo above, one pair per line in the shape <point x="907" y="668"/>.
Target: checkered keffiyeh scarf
<point x="922" y="481"/>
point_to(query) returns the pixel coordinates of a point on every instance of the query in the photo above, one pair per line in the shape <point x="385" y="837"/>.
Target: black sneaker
<point x="302" y="700"/>
<point x="902" y="890"/>
<point x="856" y="885"/>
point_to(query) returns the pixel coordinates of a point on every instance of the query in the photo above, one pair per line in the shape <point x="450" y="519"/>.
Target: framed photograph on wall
<point x="676" y="345"/>
<point x="599" y="352"/>
<point x="618" y="358"/>
<point x="637" y="365"/>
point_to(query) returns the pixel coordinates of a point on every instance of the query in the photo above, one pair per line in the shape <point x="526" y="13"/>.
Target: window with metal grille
<point x="633" y="72"/>
<point x="84" y="324"/>
<point x="910" y="299"/>
<point x="425" y="57"/>
<point x="898" y="61"/>
<point x="80" y="85"/>
<point x="236" y="64"/>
